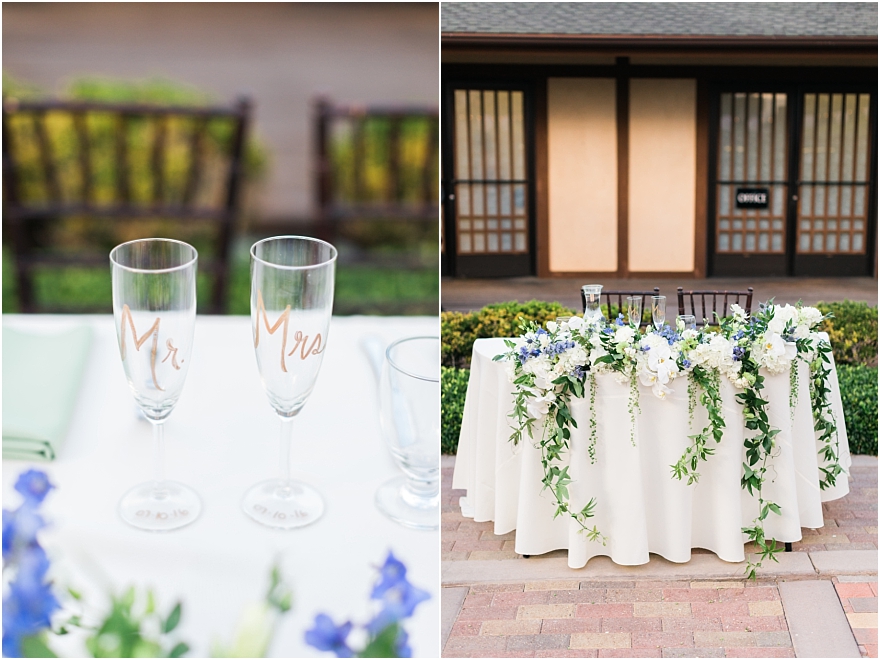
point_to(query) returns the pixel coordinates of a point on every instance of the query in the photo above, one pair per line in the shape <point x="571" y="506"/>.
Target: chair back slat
<point x="157" y="159"/>
<point x="709" y="303"/>
<point x="50" y="174"/>
<point x="85" y="162"/>
<point x="194" y="173"/>
<point x="123" y="189"/>
<point x="393" y="184"/>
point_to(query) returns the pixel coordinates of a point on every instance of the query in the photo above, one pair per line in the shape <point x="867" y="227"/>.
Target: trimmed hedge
<point x="858" y="392"/>
<point x="458" y="331"/>
<point x="852" y="330"/>
<point x="453" y="386"/>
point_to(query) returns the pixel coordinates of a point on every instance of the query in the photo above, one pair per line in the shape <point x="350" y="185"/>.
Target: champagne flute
<point x="658" y="311"/>
<point x="154" y="306"/>
<point x="591" y="295"/>
<point x="292" y="279"/>
<point x="634" y="310"/>
<point x="687" y="322"/>
<point x="409" y="395"/>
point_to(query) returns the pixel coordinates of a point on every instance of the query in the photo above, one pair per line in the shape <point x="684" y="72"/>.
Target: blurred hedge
<point x="858" y="391"/>
<point x="453" y="386"/>
<point x="852" y="330"/>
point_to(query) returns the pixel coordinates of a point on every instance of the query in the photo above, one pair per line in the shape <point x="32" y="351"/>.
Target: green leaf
<point x="382" y="645"/>
<point x="172" y="620"/>
<point x="179" y="650"/>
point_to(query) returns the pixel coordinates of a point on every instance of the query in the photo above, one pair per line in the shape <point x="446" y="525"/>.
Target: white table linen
<point x="640" y="507"/>
<point x="221" y="439"/>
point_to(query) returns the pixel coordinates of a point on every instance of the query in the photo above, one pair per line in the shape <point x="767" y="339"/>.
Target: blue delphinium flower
<point x="399" y="598"/>
<point x="738" y="335"/>
<point x="738" y="353"/>
<point x="578" y="372"/>
<point x="619" y="320"/>
<point x="608" y="331"/>
<point x="327" y="636"/>
<point x="29" y="602"/>
<point x="34" y="486"/>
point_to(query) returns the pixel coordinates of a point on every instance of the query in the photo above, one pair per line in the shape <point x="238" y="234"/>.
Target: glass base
<point x="405" y="507"/>
<point x="272" y="504"/>
<point x="161" y="509"/>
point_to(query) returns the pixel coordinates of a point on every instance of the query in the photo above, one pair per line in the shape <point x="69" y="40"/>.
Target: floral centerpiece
<point x="548" y="365"/>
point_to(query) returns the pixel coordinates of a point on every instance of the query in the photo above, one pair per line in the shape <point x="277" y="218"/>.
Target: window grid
<point x="490" y="172"/>
<point x="752" y="141"/>
<point x="833" y="192"/>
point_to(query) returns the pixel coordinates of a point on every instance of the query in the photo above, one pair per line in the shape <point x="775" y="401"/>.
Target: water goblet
<point x="292" y="281"/>
<point x="658" y="311"/>
<point x="686" y="322"/>
<point x="591" y="295"/>
<point x="409" y="414"/>
<point x="154" y="307"/>
<point x="634" y="309"/>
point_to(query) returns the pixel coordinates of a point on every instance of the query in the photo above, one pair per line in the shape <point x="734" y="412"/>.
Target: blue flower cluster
<point x="399" y="599"/>
<point x="619" y="320"/>
<point x="738" y="353"/>
<point x="559" y="347"/>
<point x="670" y="335"/>
<point x="29" y="604"/>
<point x="525" y="352"/>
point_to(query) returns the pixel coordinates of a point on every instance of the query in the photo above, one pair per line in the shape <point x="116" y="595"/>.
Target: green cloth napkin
<point x="41" y="379"/>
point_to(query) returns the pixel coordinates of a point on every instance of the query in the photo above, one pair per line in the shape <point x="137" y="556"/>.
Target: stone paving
<point x="671" y="618"/>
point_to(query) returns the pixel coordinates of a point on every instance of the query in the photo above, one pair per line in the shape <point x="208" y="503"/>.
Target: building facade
<point x="659" y="139"/>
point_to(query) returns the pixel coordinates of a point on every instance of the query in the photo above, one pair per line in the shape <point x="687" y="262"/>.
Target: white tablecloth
<point x="221" y="439"/>
<point x="641" y="508"/>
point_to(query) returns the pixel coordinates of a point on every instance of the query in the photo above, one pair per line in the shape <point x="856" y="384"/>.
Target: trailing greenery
<point x="858" y="392"/>
<point x="709" y="384"/>
<point x="852" y="331"/>
<point x="453" y="387"/>
<point x="823" y="417"/>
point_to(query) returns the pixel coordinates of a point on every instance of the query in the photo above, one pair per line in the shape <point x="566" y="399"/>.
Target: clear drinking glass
<point x="658" y="311"/>
<point x="686" y="322"/>
<point x="292" y="281"/>
<point x="409" y="395"/>
<point x="591" y="295"/>
<point x="154" y="306"/>
<point x="634" y="309"/>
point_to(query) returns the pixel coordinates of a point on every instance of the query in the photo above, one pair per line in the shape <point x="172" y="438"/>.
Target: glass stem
<point x="158" y="458"/>
<point x="286" y="439"/>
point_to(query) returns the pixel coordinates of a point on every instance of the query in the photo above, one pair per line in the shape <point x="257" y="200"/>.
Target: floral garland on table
<point x="549" y="366"/>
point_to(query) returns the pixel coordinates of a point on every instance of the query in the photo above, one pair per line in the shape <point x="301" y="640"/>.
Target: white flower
<point x="545" y="340"/>
<point x="624" y="335"/>
<point x="552" y="326"/>
<point x="810" y="316"/>
<point x="576" y="322"/>
<point x="738" y="312"/>
<point x="540" y="406"/>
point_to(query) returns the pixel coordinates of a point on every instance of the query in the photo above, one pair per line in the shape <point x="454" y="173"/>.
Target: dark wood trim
<point x="634" y="274"/>
<point x="622" y="110"/>
<point x="735" y="74"/>
<point x="542" y="179"/>
<point x="701" y="211"/>
<point x="668" y="43"/>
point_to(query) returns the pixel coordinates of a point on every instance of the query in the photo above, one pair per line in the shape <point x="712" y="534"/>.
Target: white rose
<point x="576" y="322"/>
<point x="552" y="326"/>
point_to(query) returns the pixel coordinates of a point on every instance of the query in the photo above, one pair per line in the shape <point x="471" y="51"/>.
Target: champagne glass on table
<point x="154" y="306"/>
<point x="658" y="311"/>
<point x="292" y="281"/>
<point x="591" y="295"/>
<point x="409" y="413"/>
<point x="634" y="309"/>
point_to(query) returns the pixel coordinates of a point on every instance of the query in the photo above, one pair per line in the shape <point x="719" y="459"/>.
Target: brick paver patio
<point x="670" y="618"/>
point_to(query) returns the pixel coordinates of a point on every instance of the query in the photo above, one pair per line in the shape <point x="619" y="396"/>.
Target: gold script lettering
<point x="284" y="320"/>
<point x="172" y="353"/>
<point x="301" y="341"/>
<point x="154" y="331"/>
